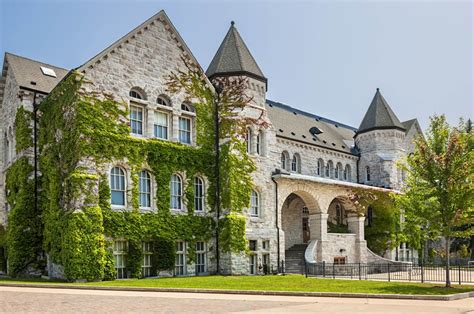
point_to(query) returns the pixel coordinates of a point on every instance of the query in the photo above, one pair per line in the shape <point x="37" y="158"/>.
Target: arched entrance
<point x="295" y="221"/>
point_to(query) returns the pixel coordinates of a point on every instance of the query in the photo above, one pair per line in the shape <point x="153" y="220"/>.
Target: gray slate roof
<point x="26" y="71"/>
<point x="379" y="116"/>
<point x="295" y="124"/>
<point x="233" y="57"/>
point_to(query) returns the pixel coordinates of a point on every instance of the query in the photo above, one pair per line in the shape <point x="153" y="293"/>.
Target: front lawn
<point x="274" y="283"/>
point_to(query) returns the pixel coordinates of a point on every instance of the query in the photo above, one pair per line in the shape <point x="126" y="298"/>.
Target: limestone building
<point x="308" y="167"/>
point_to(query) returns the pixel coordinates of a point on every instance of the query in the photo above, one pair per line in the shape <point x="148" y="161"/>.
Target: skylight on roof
<point x="48" y="72"/>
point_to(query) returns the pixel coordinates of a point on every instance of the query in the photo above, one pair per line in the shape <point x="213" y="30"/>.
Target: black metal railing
<point x="392" y="272"/>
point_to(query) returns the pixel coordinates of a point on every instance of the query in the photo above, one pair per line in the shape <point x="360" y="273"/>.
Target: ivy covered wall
<point x="81" y="136"/>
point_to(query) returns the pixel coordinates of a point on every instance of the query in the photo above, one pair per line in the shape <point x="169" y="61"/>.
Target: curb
<point x="449" y="297"/>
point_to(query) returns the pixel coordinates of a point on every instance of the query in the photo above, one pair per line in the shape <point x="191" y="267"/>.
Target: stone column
<point x="356" y="225"/>
<point x="318" y="226"/>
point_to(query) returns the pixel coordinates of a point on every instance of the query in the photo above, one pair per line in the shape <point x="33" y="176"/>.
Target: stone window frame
<point x="180" y="264"/>
<point x="180" y="196"/>
<point x="296" y="163"/>
<point x="143" y="120"/>
<point x="320" y="167"/>
<point x="255" y="207"/>
<point x="284" y="160"/>
<point x="347" y="176"/>
<point x="200" y="199"/>
<point x="201" y="264"/>
<point x="249" y="139"/>
<point x="137" y="93"/>
<point x="329" y="171"/>
<point x="338" y="171"/>
<point x="123" y="173"/>
<point x="150" y="189"/>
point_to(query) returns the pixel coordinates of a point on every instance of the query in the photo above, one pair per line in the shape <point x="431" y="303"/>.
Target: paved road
<point x="40" y="300"/>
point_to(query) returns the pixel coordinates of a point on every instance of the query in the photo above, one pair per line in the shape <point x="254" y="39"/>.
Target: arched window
<point x="248" y="140"/>
<point x="117" y="186"/>
<point x="367" y="173"/>
<point x="163" y="100"/>
<point x="135" y="93"/>
<point x="347" y="173"/>
<point x="254" y="204"/>
<point x="284" y="160"/>
<point x="176" y="192"/>
<point x="258" y="147"/>
<point x="296" y="163"/>
<point x="320" y="168"/>
<point x="198" y="194"/>
<point x="329" y="169"/>
<point x="187" y="107"/>
<point x="338" y="171"/>
<point x="144" y="189"/>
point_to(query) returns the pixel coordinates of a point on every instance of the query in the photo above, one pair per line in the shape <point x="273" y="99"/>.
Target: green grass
<point x="273" y="283"/>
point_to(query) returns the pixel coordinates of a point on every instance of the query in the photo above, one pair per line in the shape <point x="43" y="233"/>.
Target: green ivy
<point x="24" y="235"/>
<point x="23" y="132"/>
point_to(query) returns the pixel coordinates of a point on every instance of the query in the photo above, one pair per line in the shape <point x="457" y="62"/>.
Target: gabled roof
<point x="160" y="16"/>
<point x="28" y="73"/>
<point x="294" y="124"/>
<point x="379" y="116"/>
<point x="234" y="58"/>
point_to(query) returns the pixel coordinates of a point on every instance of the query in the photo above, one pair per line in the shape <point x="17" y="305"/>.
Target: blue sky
<point x="325" y="57"/>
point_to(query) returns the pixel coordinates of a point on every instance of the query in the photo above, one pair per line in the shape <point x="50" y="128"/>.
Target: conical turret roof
<point x="379" y="116"/>
<point x="234" y="58"/>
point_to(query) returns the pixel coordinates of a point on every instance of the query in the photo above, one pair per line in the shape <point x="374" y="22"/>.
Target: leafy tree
<point x="438" y="198"/>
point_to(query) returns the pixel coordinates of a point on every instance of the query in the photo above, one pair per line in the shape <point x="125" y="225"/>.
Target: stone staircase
<point x="294" y="259"/>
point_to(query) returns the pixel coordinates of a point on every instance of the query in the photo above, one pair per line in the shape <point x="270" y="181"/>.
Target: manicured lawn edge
<point x="290" y="285"/>
<point x="448" y="297"/>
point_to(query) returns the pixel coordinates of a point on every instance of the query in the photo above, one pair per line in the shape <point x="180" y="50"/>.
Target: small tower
<point x="233" y="58"/>
<point x="381" y="142"/>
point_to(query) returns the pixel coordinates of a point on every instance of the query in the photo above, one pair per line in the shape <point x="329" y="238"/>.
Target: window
<point x="162" y="100"/>
<point x="329" y="169"/>
<point x="176" y="192"/>
<point x="248" y="140"/>
<point x="284" y="160"/>
<point x="120" y="255"/>
<point x="266" y="245"/>
<point x="201" y="264"/>
<point x="187" y="107"/>
<point x="253" y="264"/>
<point x="198" y="194"/>
<point x="339" y="260"/>
<point x="347" y="173"/>
<point x="185" y="130"/>
<point x="338" y="171"/>
<point x="144" y="189"/>
<point x="320" y="168"/>
<point x="117" y="186"/>
<point x="136" y="120"/>
<point x="147" y="248"/>
<point x="180" y="262"/>
<point x="295" y="163"/>
<point x="367" y="173"/>
<point x="161" y="125"/>
<point x="254" y="204"/>
<point x="259" y="143"/>
<point x="252" y="245"/>
<point x="339" y="214"/>
<point x="135" y="94"/>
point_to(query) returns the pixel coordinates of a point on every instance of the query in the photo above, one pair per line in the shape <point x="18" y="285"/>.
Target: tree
<point x="438" y="198"/>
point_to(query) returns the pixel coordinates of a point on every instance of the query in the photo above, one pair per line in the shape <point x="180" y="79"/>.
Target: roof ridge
<point x="310" y="115"/>
<point x="158" y="16"/>
<point x="36" y="61"/>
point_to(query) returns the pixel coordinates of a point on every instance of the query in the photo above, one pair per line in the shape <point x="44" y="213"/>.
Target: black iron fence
<point x="392" y="272"/>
